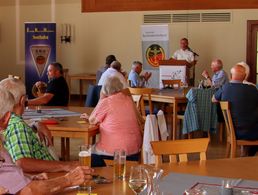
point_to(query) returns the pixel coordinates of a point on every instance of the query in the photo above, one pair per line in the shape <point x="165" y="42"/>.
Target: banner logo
<point x="40" y="55"/>
<point x="154" y="54"/>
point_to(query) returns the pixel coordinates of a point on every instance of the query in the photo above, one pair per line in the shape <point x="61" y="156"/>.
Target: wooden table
<point x="71" y="127"/>
<point x="245" y="168"/>
<point x="173" y="97"/>
<point x="91" y="78"/>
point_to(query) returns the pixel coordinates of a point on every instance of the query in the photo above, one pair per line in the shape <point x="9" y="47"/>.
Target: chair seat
<point x="246" y="142"/>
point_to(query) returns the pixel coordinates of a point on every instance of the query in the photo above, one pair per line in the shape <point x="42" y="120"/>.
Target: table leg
<point x="87" y="140"/>
<point x="174" y="119"/>
<point x="81" y="92"/>
<point x="63" y="148"/>
<point x="67" y="149"/>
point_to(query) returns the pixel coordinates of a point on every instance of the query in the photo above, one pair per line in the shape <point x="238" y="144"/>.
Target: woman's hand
<point x="85" y="116"/>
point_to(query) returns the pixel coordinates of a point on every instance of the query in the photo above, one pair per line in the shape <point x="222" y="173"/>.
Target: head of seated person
<point x="116" y="65"/>
<point x="55" y="70"/>
<point x="6" y="106"/>
<point x="17" y="88"/>
<point x="238" y="73"/>
<point x="112" y="86"/>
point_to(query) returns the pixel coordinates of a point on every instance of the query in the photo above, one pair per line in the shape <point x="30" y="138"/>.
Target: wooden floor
<point x="215" y="150"/>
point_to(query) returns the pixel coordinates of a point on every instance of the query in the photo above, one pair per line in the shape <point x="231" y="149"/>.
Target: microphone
<point x="195" y="54"/>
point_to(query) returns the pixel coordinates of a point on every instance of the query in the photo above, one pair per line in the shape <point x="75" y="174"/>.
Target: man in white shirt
<point x="113" y="71"/>
<point x="185" y="53"/>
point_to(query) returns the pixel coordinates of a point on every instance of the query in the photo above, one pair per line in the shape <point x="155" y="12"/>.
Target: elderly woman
<point x="118" y="120"/>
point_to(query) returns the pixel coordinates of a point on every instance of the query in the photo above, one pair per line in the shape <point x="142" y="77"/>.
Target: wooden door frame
<point x="251" y="48"/>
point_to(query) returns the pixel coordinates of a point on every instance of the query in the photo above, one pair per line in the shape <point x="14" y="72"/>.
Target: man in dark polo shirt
<point x="243" y="100"/>
<point x="57" y="92"/>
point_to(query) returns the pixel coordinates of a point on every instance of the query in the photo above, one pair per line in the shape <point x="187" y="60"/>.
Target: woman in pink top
<point x="117" y="117"/>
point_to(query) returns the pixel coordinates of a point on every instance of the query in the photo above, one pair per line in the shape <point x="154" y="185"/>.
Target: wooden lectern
<point x="175" y="69"/>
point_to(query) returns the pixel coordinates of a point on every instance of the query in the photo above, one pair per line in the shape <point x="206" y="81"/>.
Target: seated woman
<point x="118" y="120"/>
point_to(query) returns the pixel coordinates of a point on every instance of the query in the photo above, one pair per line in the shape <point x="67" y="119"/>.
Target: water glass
<point x="138" y="179"/>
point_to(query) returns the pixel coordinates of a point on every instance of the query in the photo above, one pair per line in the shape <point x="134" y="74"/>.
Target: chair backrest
<point x="143" y="92"/>
<point x="180" y="148"/>
<point x="172" y="83"/>
<point x="231" y="137"/>
<point x="93" y="95"/>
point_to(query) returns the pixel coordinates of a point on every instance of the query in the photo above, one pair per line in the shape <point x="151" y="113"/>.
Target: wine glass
<point x="138" y="179"/>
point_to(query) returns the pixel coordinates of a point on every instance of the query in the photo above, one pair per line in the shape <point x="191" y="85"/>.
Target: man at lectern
<point x="185" y="53"/>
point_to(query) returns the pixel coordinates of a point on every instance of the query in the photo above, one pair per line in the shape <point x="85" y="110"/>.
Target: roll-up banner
<point x="40" y="51"/>
<point x="155" y="47"/>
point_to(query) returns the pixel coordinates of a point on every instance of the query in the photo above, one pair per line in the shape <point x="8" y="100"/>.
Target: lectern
<point x="173" y="70"/>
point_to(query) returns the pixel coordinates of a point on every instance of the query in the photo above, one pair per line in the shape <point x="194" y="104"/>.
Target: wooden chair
<point x="142" y="92"/>
<point x="232" y="142"/>
<point x="172" y="83"/>
<point x="180" y="148"/>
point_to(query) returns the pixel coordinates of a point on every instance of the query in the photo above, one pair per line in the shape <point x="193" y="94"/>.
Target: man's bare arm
<point x="36" y="165"/>
<point x="41" y="100"/>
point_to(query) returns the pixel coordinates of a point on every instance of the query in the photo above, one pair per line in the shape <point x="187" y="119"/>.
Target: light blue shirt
<point x="219" y="78"/>
<point x="135" y="79"/>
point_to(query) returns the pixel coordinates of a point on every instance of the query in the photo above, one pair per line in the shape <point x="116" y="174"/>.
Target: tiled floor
<point x="216" y="150"/>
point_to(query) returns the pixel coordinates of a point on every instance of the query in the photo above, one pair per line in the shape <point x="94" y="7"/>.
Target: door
<point x="252" y="50"/>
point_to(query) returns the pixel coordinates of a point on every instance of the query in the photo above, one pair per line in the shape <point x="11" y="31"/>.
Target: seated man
<point x="12" y="179"/>
<point x="136" y="79"/>
<point x="244" y="104"/>
<point x="109" y="60"/>
<point x="219" y="77"/>
<point x="22" y="142"/>
<point x="57" y="92"/>
<point x="114" y="70"/>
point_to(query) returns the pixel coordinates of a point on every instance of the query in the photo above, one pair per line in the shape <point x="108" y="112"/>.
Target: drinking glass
<point x="85" y="160"/>
<point x="119" y="164"/>
<point x="154" y="175"/>
<point x="138" y="179"/>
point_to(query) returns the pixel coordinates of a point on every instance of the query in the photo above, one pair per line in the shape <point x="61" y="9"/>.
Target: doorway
<point x="252" y="50"/>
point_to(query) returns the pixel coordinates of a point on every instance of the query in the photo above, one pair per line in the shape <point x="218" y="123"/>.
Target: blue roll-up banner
<point x="40" y="51"/>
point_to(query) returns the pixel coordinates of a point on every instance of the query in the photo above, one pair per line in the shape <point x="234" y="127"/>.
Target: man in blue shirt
<point x="135" y="77"/>
<point x="243" y="100"/>
<point x="219" y="78"/>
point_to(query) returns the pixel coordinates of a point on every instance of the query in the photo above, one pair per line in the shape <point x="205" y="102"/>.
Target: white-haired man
<point x="136" y="79"/>
<point x="113" y="71"/>
<point x="243" y="101"/>
<point x="22" y="142"/>
<point x="219" y="77"/>
<point x="12" y="179"/>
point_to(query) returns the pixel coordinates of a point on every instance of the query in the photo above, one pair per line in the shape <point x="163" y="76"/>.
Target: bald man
<point x="243" y="100"/>
<point x="219" y="77"/>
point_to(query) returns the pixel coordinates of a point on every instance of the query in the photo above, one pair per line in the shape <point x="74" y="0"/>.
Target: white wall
<point x="99" y="34"/>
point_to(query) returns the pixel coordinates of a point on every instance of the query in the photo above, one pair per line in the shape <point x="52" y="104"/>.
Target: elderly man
<point x="135" y="77"/>
<point x="219" y="77"/>
<point x="22" y="142"/>
<point x="113" y="71"/>
<point x="57" y="92"/>
<point x="12" y="179"/>
<point x="244" y="104"/>
<point x="109" y="60"/>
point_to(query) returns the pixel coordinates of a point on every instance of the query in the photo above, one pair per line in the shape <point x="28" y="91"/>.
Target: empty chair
<point x="143" y="92"/>
<point x="180" y="148"/>
<point x="232" y="142"/>
<point x="93" y="95"/>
